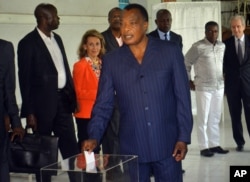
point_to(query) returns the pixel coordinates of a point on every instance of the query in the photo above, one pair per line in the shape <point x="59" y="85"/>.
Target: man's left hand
<point x="180" y="151"/>
<point x="18" y="131"/>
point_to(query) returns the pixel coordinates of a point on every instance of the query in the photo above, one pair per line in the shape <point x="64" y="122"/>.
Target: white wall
<point x="65" y="7"/>
<point x="76" y="16"/>
<point x="189" y="20"/>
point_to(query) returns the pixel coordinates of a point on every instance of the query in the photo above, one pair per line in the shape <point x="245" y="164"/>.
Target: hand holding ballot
<point x="89" y="145"/>
<point x="90" y="162"/>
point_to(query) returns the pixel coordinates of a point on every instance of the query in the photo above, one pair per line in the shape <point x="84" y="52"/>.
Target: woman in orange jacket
<point x="86" y="74"/>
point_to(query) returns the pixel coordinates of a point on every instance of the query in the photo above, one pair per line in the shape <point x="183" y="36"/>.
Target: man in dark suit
<point x="48" y="97"/>
<point x="110" y="141"/>
<point x="113" y="40"/>
<point x="164" y="21"/>
<point x="112" y="35"/>
<point x="237" y="78"/>
<point x="8" y="106"/>
<point x="153" y="99"/>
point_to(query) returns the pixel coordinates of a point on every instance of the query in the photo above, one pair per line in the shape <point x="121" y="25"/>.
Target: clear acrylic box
<point x="106" y="168"/>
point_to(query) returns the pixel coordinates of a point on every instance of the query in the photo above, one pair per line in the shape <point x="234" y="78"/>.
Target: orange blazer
<point x="86" y="84"/>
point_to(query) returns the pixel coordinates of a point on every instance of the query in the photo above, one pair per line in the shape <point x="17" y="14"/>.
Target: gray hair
<point x="238" y="17"/>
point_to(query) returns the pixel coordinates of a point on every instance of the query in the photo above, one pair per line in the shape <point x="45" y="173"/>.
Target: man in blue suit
<point x="150" y="80"/>
<point x="163" y="31"/>
<point x="164" y="21"/>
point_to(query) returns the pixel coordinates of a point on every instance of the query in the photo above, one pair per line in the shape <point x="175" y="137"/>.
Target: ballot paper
<point x="90" y="162"/>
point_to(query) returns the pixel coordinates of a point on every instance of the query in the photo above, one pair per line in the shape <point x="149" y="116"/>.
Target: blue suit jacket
<point x="174" y="37"/>
<point x="153" y="100"/>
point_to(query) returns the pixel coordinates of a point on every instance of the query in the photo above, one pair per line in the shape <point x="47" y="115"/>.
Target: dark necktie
<point x="166" y="36"/>
<point x="240" y="55"/>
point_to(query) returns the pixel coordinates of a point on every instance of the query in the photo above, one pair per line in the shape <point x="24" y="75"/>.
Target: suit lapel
<point x="129" y="59"/>
<point x="232" y="46"/>
<point x="112" y="39"/>
<point x="59" y="42"/>
<point x="69" y="82"/>
<point x="171" y="36"/>
<point x="247" y="48"/>
<point x="44" y="48"/>
<point x="157" y="34"/>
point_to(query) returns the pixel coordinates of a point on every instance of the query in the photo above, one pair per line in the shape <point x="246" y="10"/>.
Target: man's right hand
<point x="31" y="122"/>
<point x="89" y="145"/>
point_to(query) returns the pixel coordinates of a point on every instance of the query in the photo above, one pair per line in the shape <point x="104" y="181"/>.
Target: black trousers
<point x="63" y="127"/>
<point x="82" y="132"/>
<point x="237" y="98"/>
<point x="4" y="148"/>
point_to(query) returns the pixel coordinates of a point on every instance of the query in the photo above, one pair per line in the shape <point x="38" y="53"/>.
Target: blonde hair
<point x="91" y="33"/>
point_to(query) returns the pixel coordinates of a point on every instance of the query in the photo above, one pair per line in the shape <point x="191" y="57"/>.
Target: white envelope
<point x="90" y="162"/>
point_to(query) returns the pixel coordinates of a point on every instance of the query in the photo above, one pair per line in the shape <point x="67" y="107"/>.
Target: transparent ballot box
<point x="105" y="168"/>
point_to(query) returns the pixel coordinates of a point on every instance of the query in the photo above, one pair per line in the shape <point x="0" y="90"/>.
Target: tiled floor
<point x="201" y="169"/>
<point x="216" y="168"/>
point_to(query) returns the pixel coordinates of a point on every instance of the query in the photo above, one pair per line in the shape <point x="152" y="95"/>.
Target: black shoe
<point x="218" y="150"/>
<point x="239" y="148"/>
<point x="206" y="153"/>
<point x="183" y="171"/>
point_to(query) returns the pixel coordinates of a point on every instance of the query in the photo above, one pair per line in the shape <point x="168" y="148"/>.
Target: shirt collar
<point x="43" y="36"/>
<point x="207" y="41"/>
<point x="162" y="34"/>
<point x="241" y="39"/>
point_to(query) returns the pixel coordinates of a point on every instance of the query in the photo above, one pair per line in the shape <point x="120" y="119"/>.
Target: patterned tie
<point x="240" y="55"/>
